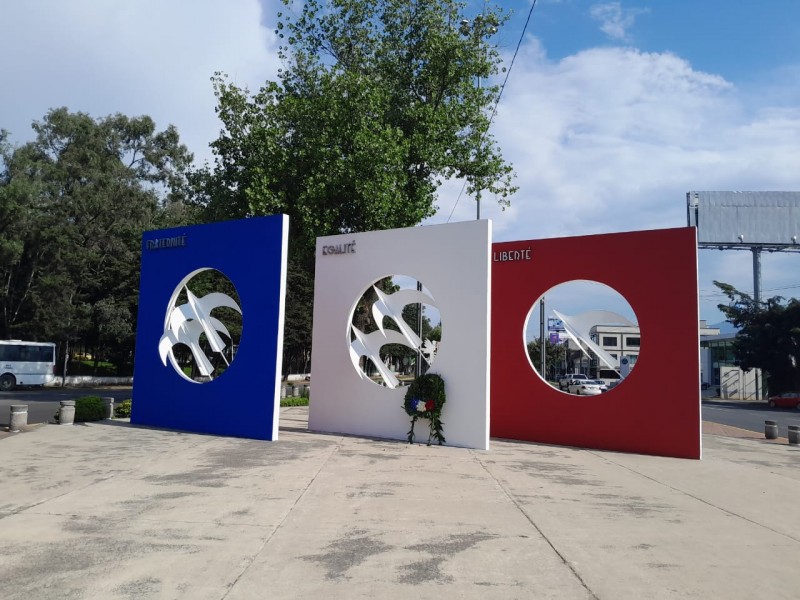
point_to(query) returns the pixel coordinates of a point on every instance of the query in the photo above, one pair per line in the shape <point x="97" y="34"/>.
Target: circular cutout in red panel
<point x="656" y="272"/>
<point x="590" y="334"/>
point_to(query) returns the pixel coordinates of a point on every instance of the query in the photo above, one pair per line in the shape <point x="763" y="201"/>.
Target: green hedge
<point x="123" y="409"/>
<point x="89" y="408"/>
<point x="295" y="401"/>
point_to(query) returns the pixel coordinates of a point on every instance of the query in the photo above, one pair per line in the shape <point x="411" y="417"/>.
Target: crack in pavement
<point x="519" y="507"/>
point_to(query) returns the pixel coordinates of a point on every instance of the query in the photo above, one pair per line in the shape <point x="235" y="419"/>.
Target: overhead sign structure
<point x="452" y="263"/>
<point x="755" y="221"/>
<point x="743" y="220"/>
<point x="194" y="371"/>
<point x="656" y="409"/>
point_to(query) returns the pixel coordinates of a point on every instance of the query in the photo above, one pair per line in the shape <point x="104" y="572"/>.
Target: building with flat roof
<point x="718" y="371"/>
<point x="595" y="342"/>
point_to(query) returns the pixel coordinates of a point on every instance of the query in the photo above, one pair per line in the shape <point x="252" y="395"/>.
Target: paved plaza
<point x="109" y="510"/>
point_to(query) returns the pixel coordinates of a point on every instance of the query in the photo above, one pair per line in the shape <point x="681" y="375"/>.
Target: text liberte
<point x="511" y="255"/>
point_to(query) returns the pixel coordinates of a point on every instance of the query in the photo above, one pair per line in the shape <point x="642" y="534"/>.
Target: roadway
<point x="750" y="415"/>
<point x="43" y="403"/>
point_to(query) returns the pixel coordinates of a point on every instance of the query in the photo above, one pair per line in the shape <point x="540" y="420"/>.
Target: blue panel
<point x="241" y="401"/>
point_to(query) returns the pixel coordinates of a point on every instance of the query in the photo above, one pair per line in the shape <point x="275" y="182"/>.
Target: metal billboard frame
<point x="755" y="221"/>
<point x="742" y="220"/>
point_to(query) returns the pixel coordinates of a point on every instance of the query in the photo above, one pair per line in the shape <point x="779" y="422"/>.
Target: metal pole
<point x="757" y="299"/>
<point x="478" y="190"/>
<point x="757" y="275"/>
<point x="419" y="333"/>
<point x="478" y="183"/>
<point x="542" y="354"/>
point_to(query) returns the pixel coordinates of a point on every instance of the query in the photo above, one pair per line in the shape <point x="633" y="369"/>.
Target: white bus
<point x="26" y="363"/>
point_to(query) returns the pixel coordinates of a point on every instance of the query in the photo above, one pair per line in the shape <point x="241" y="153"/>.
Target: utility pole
<point x="542" y="353"/>
<point x="477" y="28"/>
<point x="419" y="370"/>
<point x="478" y="188"/>
<point x="757" y="299"/>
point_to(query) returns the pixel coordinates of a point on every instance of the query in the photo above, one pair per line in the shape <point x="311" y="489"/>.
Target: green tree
<point x="554" y="356"/>
<point x="376" y="104"/>
<point x="768" y="336"/>
<point x="297" y="330"/>
<point x="73" y="205"/>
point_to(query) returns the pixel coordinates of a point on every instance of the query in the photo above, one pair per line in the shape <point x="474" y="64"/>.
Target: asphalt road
<point x="750" y="415"/>
<point x="43" y="403"/>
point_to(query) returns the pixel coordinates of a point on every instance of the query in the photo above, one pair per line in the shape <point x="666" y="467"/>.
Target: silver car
<point x="565" y="381"/>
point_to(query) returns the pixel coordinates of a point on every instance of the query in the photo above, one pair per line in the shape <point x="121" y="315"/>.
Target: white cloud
<point x="145" y="57"/>
<point x="604" y="140"/>
<point x="611" y="140"/>
<point x="614" y="20"/>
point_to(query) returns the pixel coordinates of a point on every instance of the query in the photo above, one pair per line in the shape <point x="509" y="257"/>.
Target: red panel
<point x="657" y="408"/>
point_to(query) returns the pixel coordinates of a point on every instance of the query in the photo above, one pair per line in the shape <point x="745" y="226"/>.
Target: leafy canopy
<point x="375" y="105"/>
<point x="73" y="205"/>
<point x="768" y="337"/>
<point x="554" y="356"/>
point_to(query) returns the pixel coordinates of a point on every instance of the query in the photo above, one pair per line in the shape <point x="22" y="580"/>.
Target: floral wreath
<point x="425" y="398"/>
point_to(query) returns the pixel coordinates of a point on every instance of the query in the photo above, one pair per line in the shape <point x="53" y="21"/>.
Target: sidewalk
<point x="108" y="510"/>
<point x="719" y="429"/>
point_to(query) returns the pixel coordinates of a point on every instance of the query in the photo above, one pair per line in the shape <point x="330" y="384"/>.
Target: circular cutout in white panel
<point x="394" y="331"/>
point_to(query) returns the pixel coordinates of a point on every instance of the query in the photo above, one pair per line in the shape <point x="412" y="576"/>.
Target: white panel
<point x="453" y="262"/>
<point x="276" y="405"/>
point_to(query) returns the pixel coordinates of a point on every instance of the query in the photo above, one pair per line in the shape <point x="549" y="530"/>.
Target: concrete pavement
<point x="109" y="510"/>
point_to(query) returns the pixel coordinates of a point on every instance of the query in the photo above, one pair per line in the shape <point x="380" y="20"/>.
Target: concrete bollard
<point x="109" y="406"/>
<point x="296" y="390"/>
<point x="283" y="392"/>
<point x="771" y="430"/>
<point x="66" y="414"/>
<point x="794" y="434"/>
<point x="19" y="417"/>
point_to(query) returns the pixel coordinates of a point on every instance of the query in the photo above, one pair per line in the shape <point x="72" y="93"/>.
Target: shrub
<point x="295" y="401"/>
<point x="89" y="408"/>
<point x="123" y="410"/>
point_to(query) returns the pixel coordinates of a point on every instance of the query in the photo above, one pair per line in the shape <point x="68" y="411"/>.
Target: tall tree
<point x="554" y="357"/>
<point x="376" y="104"/>
<point x="768" y="336"/>
<point x="74" y="204"/>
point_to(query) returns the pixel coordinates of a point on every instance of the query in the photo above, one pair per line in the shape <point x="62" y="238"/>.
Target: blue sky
<point x="613" y="110"/>
<point x="736" y="40"/>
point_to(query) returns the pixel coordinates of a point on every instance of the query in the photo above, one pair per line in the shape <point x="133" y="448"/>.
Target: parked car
<point x="785" y="400"/>
<point x="601" y="383"/>
<point x="566" y="380"/>
<point x="584" y="387"/>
